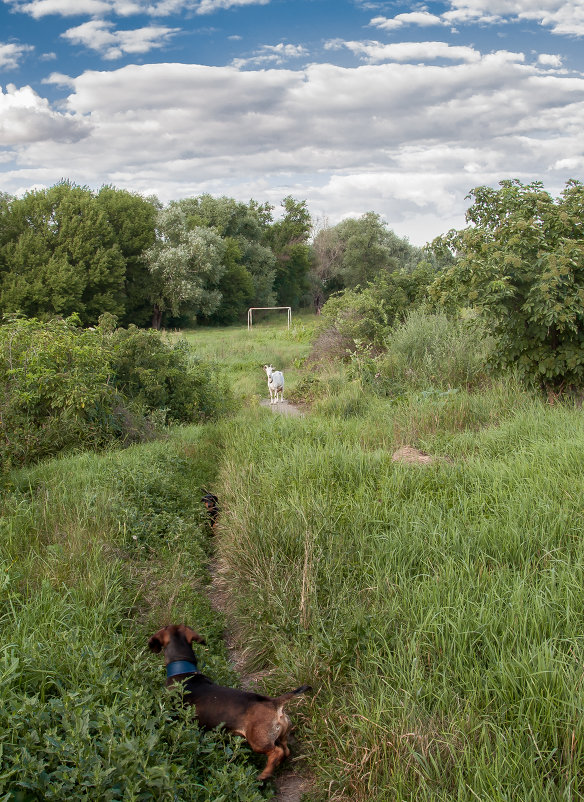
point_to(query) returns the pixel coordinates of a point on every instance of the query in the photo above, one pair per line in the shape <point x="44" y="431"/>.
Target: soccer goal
<point x="253" y="309"/>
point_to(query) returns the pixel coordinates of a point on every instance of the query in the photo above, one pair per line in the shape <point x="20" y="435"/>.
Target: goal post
<point x="253" y="309"/>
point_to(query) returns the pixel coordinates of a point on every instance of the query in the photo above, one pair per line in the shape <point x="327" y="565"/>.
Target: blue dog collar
<point x="181" y="667"/>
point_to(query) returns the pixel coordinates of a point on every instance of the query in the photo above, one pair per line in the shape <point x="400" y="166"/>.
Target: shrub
<point x="428" y="351"/>
<point x="63" y="387"/>
<point x="521" y="264"/>
<point x="158" y="376"/>
<point x="366" y="316"/>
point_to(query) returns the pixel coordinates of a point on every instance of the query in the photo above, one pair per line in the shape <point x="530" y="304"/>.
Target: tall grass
<point x="438" y="610"/>
<point x="96" y="553"/>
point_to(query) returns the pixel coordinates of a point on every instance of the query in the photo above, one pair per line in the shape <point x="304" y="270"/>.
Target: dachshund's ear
<point x="159" y="640"/>
<point x="191" y="636"/>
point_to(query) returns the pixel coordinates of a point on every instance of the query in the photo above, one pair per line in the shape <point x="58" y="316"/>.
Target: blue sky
<point x="399" y="108"/>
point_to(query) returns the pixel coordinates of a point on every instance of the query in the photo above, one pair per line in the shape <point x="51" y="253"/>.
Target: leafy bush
<point x="159" y="376"/>
<point x="521" y="263"/>
<point x="63" y="387"/>
<point x="366" y="316"/>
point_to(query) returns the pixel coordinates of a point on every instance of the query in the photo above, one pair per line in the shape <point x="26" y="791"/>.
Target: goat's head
<point x="269" y="370"/>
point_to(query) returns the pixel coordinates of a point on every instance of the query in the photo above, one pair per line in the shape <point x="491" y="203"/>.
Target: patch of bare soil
<point x="282" y="407"/>
<point x="412" y="456"/>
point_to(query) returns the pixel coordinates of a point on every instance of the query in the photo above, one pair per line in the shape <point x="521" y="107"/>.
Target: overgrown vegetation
<point x="96" y="553"/>
<point x="64" y="387"/>
<point x="437" y="609"/>
<point x="521" y="263"/>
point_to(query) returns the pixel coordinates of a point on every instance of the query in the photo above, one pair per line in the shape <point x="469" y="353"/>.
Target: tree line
<point x="518" y="264"/>
<point x="69" y="250"/>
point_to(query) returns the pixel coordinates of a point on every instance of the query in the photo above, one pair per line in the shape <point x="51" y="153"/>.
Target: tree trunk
<point x="156" y="317"/>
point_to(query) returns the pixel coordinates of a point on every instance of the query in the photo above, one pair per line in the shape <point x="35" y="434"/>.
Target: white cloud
<point x="375" y="52"/>
<point x="11" y="54"/>
<point x="208" y="6"/>
<point x="124" y="8"/>
<point x="407" y="140"/>
<point x="561" y="16"/>
<point x="98" y="35"/>
<point x="549" y="60"/>
<point x="272" y="54"/>
<point x="422" y="18"/>
<point x="26" y="118"/>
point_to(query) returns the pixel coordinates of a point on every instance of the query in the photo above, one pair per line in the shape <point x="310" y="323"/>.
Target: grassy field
<point x="437" y="610"/>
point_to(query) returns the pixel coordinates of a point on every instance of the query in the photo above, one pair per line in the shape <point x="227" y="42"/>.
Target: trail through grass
<point x="437" y="610"/>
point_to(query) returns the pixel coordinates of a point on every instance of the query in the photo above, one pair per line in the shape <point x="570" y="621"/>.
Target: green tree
<point x="133" y="219"/>
<point x="236" y="286"/>
<point x="60" y="256"/>
<point x="521" y="263"/>
<point x="186" y="265"/>
<point x="249" y="265"/>
<point x="366" y="316"/>
<point x="288" y="239"/>
<point x="356" y="251"/>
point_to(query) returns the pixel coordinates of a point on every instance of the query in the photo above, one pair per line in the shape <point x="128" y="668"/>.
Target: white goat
<point x="275" y="384"/>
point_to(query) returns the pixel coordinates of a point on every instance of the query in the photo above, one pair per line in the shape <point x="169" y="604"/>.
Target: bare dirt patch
<point x="413" y="456"/>
<point x="282" y="407"/>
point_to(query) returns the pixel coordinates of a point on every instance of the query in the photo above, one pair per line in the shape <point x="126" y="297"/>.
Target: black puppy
<point x="210" y="502"/>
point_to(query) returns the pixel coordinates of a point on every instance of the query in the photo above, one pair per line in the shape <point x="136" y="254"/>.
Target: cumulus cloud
<point x="11" y="54"/>
<point x="26" y="118"/>
<point x="549" y="60"/>
<point x="406" y="139"/>
<point x="375" y="52"/>
<point x="422" y="18"/>
<point x="124" y="8"/>
<point x="272" y="54"/>
<point x="561" y="16"/>
<point x="100" y="36"/>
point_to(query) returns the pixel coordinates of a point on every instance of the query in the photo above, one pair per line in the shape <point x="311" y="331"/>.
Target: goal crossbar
<point x="253" y="309"/>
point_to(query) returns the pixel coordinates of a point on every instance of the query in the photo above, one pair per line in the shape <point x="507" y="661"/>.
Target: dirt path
<point x="290" y="786"/>
<point x="282" y="407"/>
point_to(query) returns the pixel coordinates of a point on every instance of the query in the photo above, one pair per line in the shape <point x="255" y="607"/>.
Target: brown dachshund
<point x="260" y="719"/>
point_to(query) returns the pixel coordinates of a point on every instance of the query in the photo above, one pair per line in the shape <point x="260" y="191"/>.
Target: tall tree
<point x="521" y="264"/>
<point x="186" y="265"/>
<point x="357" y="251"/>
<point x="133" y="219"/>
<point x="61" y="256"/>
<point x="288" y="239"/>
<point x="248" y="260"/>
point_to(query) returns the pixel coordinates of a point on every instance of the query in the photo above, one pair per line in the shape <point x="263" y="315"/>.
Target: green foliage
<point x="65" y="250"/>
<point x="437" y="608"/>
<point x="288" y="239"/>
<point x="365" y="317"/>
<point x="186" y="264"/>
<point x="133" y="219"/>
<point x="83" y="710"/>
<point x="65" y="387"/>
<point x="157" y="376"/>
<point x="521" y="263"/>
<point x="357" y="251"/>
<point x="236" y="286"/>
<point x="55" y="391"/>
<point x="246" y="273"/>
<point x="433" y="351"/>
